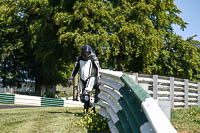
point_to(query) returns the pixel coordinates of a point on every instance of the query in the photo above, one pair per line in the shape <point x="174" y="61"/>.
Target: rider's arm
<point x="96" y="65"/>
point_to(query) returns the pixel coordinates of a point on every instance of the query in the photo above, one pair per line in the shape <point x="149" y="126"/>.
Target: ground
<point x="41" y="120"/>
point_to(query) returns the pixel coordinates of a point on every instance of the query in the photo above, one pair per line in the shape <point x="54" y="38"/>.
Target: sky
<point x="190" y="14"/>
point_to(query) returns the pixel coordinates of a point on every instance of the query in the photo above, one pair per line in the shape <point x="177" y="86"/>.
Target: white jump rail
<point x="37" y="101"/>
<point x="128" y="107"/>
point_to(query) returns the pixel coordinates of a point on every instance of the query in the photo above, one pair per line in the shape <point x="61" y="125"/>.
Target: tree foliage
<point x="40" y="39"/>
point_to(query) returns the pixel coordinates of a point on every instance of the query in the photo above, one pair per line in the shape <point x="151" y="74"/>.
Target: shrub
<point x="94" y="122"/>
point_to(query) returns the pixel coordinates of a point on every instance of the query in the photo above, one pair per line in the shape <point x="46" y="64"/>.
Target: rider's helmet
<point x="86" y="51"/>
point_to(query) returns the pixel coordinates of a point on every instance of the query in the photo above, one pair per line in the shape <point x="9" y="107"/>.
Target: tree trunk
<point x="4" y="81"/>
<point x="38" y="88"/>
<point x="119" y="65"/>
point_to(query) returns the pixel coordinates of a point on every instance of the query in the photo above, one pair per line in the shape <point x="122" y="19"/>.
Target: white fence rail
<point x="182" y="93"/>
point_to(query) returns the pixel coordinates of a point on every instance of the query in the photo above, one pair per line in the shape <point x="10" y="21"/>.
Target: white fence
<point x="182" y="93"/>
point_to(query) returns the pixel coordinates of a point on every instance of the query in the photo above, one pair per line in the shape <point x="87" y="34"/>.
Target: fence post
<point x="155" y="86"/>
<point x="186" y="93"/>
<point x="198" y="94"/>
<point x="136" y="77"/>
<point x="172" y="92"/>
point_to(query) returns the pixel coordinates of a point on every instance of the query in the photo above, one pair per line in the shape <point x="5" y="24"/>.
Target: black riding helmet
<point x="86" y="48"/>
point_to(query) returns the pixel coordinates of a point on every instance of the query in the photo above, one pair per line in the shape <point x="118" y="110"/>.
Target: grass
<point x="41" y="120"/>
<point x="186" y="120"/>
<point x="67" y="120"/>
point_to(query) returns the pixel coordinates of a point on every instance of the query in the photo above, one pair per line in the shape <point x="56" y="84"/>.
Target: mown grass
<point x="41" y="120"/>
<point x="186" y="120"/>
<point x="69" y="120"/>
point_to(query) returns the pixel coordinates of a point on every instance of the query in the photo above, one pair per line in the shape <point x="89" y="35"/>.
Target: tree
<point x="41" y="39"/>
<point x="29" y="43"/>
<point x="179" y="59"/>
<point x="10" y="40"/>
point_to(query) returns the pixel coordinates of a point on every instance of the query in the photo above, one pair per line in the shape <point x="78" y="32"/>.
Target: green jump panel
<point x="134" y="106"/>
<point x="132" y="121"/>
<point x="118" y="125"/>
<point x="137" y="90"/>
<point x="124" y="122"/>
<point x="7" y="98"/>
<point x="52" y="102"/>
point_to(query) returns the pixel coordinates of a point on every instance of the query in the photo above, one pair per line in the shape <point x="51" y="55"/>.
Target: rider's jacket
<point x="88" y="68"/>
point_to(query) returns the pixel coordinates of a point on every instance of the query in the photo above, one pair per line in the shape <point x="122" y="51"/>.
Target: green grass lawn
<point x="186" y="120"/>
<point x="41" y="120"/>
<point x="66" y="120"/>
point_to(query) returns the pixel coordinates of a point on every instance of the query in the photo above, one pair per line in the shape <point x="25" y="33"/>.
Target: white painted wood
<point x="70" y="103"/>
<point x="27" y="97"/>
<point x="172" y="91"/>
<point x="179" y="104"/>
<point x="112" y="127"/>
<point x="146" y="128"/>
<point x="103" y="113"/>
<point x="115" y="94"/>
<point x="162" y="81"/>
<point x="155" y="86"/>
<point x="111" y="73"/>
<point x="179" y="99"/>
<point x="110" y="83"/>
<point x="164" y="98"/>
<point x="27" y="100"/>
<point x="195" y="85"/>
<point x="160" y="124"/>
<point x="193" y="94"/>
<point x="193" y="90"/>
<point x="176" y="88"/>
<point x="105" y="106"/>
<point x="179" y="93"/>
<point x="193" y="100"/>
<point x="135" y="77"/>
<point x="114" y="105"/>
<point x="179" y="83"/>
<point x="192" y="104"/>
<point x="102" y="103"/>
<point x="112" y="78"/>
<point x="150" y="92"/>
<point x="146" y="80"/>
<point x="163" y="93"/>
<point x="112" y="114"/>
<point x="186" y="93"/>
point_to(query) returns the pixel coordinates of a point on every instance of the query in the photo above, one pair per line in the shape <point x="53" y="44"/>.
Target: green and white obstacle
<point x="128" y="107"/>
<point x="37" y="101"/>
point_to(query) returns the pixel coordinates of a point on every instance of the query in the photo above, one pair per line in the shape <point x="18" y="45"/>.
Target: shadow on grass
<point x="79" y="114"/>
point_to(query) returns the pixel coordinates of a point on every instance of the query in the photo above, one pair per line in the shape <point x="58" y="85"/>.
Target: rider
<point x="89" y="74"/>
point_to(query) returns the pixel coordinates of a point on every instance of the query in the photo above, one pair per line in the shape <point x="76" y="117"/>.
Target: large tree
<point x="40" y="39"/>
<point x="29" y="43"/>
<point x="126" y="35"/>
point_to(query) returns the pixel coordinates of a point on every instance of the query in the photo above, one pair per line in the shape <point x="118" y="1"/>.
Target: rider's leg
<point x="81" y="89"/>
<point x="89" y="86"/>
<point x="97" y="91"/>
